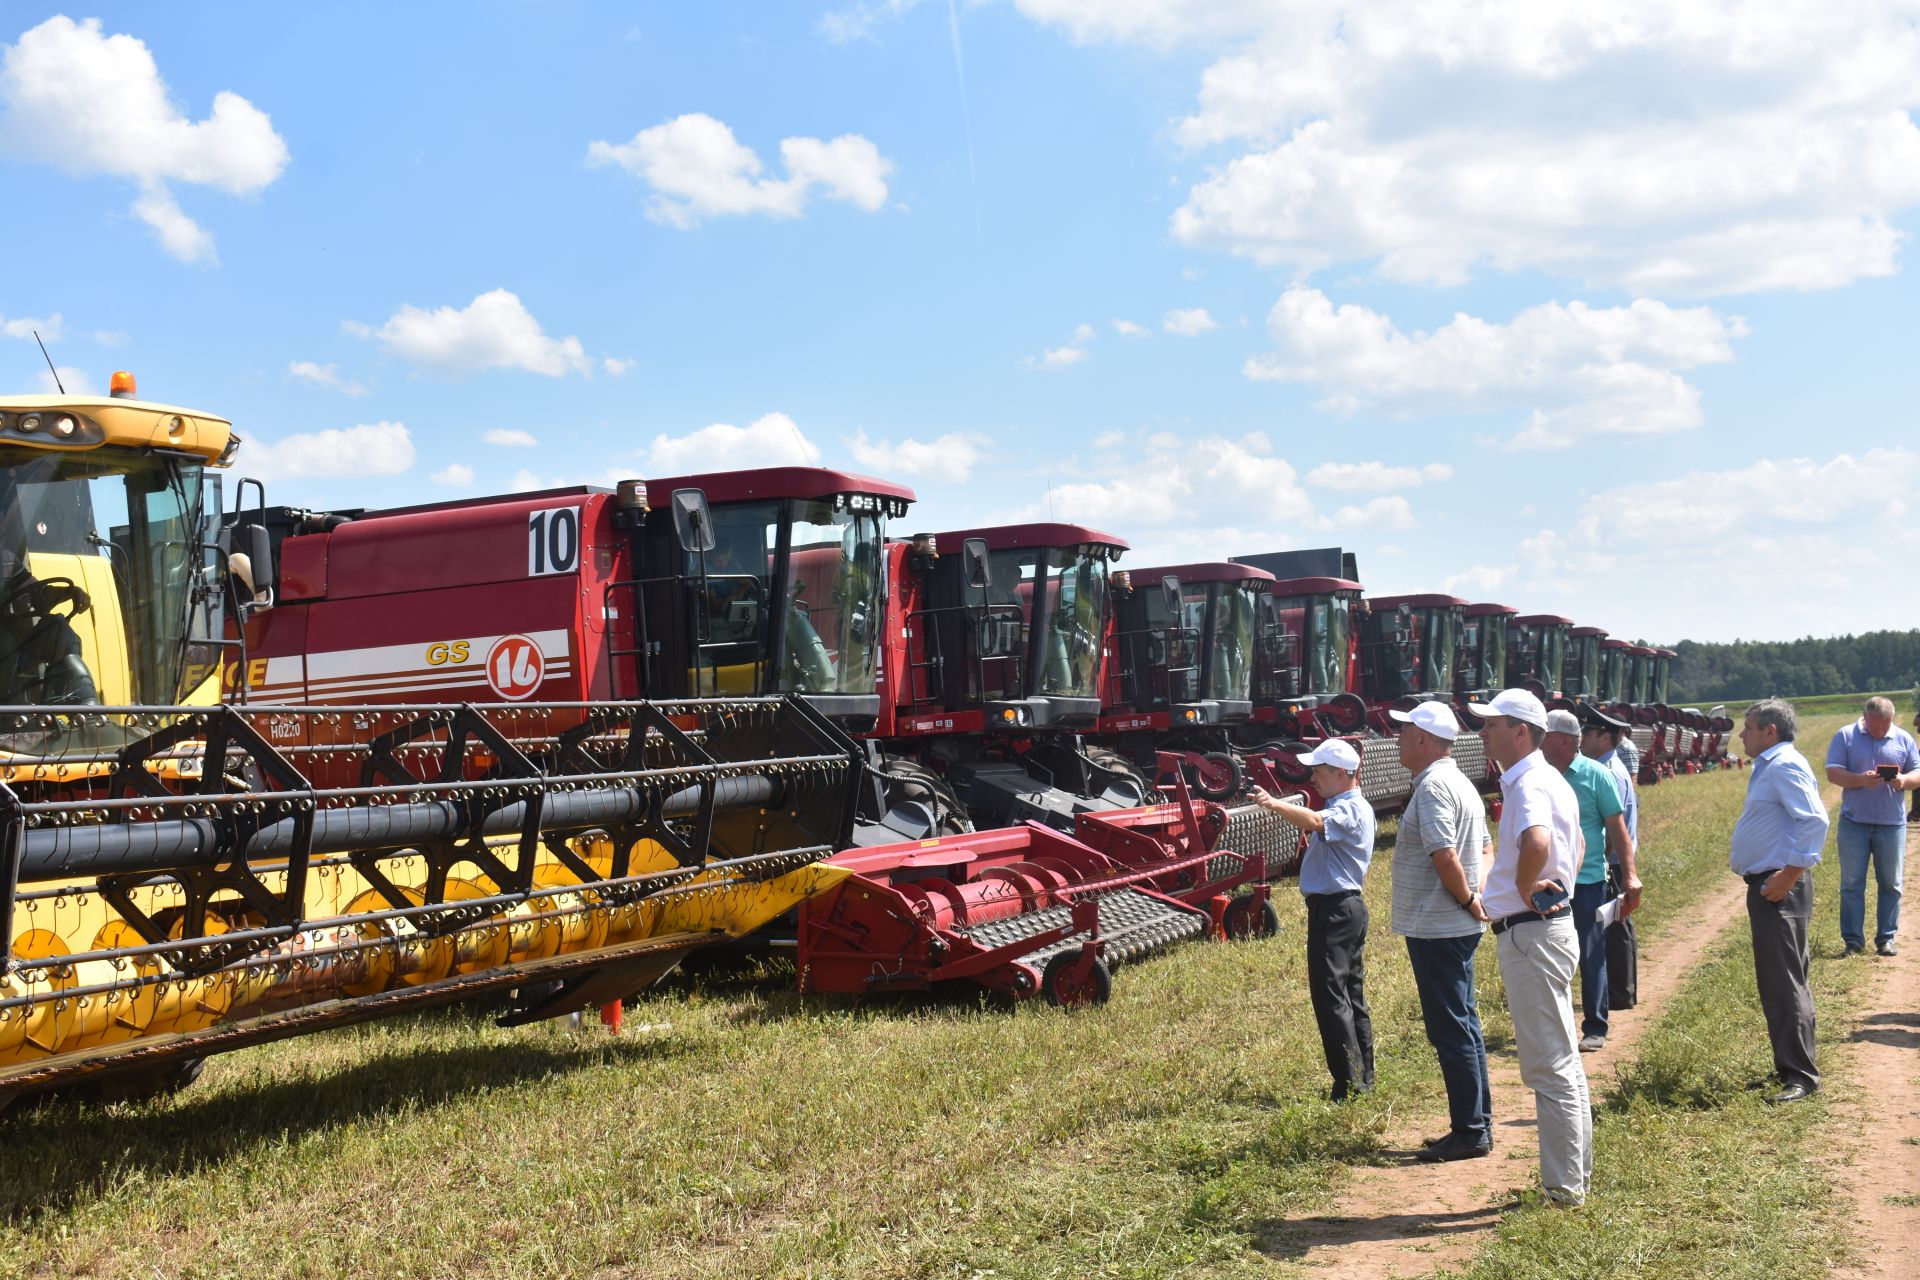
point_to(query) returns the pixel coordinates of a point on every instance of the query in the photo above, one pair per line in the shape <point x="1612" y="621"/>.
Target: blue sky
<point x="1599" y="311"/>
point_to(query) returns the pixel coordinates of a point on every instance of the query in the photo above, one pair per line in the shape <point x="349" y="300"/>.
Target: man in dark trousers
<point x="1776" y="844"/>
<point x="1332" y="873"/>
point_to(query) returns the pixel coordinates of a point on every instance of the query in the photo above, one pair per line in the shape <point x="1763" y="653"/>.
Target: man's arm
<point x="1806" y="815"/>
<point x="1453" y="878"/>
<point x="1847" y="780"/>
<point x="1536" y="846"/>
<point x="1298" y="814"/>
<point x="1620" y="850"/>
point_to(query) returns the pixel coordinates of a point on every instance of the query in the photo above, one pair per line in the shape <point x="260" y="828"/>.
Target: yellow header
<point x="97" y="421"/>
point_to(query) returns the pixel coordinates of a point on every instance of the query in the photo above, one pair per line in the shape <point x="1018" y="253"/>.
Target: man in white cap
<point x="1527" y="892"/>
<point x="1332" y="872"/>
<point x="1605" y="843"/>
<point x="1437" y="860"/>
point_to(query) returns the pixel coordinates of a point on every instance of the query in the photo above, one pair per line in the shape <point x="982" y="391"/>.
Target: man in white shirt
<point x="1526" y="895"/>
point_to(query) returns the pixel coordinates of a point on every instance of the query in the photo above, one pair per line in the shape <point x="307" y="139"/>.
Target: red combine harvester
<point x="994" y="671"/>
<point x="1581" y="676"/>
<point x="1309" y="690"/>
<point x="1186" y="646"/>
<point x="1483" y="652"/>
<point x="1410" y="652"/>
<point x="1537" y="652"/>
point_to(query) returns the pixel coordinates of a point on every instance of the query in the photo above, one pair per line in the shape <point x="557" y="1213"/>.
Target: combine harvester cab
<point x="994" y="673"/>
<point x="177" y="880"/>
<point x="1188" y="642"/>
<point x="1583" y="678"/>
<point x="1537" y="653"/>
<point x="1030" y="910"/>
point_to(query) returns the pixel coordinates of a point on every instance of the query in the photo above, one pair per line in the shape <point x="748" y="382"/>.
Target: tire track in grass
<point x="1407" y="1218"/>
<point x="1875" y="1123"/>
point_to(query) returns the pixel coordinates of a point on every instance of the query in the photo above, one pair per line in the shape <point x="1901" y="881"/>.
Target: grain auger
<point x="179" y="881"/>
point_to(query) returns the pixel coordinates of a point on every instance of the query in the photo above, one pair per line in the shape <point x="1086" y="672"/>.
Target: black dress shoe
<point x="1792" y="1093"/>
<point x="1454" y="1147"/>
<point x="1434" y="1142"/>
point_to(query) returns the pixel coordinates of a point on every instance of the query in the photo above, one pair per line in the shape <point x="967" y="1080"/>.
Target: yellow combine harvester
<point x="182" y="873"/>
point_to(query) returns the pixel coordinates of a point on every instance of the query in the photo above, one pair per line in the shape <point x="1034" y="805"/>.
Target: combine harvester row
<point x="264" y="770"/>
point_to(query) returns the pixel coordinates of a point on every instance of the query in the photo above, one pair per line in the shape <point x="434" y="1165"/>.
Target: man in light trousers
<point x="1527" y="894"/>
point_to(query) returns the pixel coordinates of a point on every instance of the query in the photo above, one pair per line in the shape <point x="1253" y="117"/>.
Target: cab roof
<point x="1418" y="600"/>
<point x="1588" y="631"/>
<point x="1544" y="620"/>
<point x="775" y="482"/>
<point x="1007" y="537"/>
<point x="107" y="420"/>
<point x="1313" y="586"/>
<point x="1488" y="609"/>
<point x="1207" y="571"/>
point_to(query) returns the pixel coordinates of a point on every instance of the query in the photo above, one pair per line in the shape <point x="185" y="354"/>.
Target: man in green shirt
<point x="1603" y="823"/>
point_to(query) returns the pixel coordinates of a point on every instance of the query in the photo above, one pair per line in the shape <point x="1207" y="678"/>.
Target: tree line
<point x="1748" y="669"/>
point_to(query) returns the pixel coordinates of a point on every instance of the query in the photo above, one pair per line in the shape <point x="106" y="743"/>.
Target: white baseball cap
<point x="1563" y="722"/>
<point x="1336" y="752"/>
<point x="1515" y="703"/>
<point x="1435" y="717"/>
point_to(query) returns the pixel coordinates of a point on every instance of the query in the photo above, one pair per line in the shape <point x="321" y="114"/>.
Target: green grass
<point x="1174" y="1132"/>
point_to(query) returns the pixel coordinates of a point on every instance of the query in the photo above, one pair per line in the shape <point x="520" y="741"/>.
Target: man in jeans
<point x="1775" y="844"/>
<point x="1527" y="892"/>
<point x="1603" y="830"/>
<point x="1437" y="857"/>
<point x="1332" y="872"/>
<point x="1872" y="761"/>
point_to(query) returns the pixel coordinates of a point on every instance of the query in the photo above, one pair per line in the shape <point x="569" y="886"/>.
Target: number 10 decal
<point x="553" y="541"/>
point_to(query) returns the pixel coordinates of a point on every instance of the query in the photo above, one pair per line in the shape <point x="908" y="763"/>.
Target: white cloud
<point x="370" y="449"/>
<point x="772" y="440"/>
<point x="698" y="169"/>
<point x="76" y="381"/>
<point x="1575" y="370"/>
<point x="1391" y="512"/>
<point x="324" y="375"/>
<point x="617" y="366"/>
<point x="509" y="438"/>
<point x="950" y="457"/>
<point x="457" y="475"/>
<point x="856" y="21"/>
<point x="494" y="331"/>
<point x="1373" y="477"/>
<point x="1109" y="440"/>
<point x="1478" y="582"/>
<point x="1189" y="322"/>
<point x="1707" y="505"/>
<point x="90" y="104"/>
<point x="1128" y="329"/>
<point x="1071" y="353"/>
<point x="1173" y="479"/>
<point x="24" y="327"/>
<point x="1677" y="150"/>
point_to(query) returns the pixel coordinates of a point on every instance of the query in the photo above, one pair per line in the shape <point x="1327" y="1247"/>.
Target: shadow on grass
<point x="1899" y="1030"/>
<point x="81" y="1152"/>
<point x="1293" y="1238"/>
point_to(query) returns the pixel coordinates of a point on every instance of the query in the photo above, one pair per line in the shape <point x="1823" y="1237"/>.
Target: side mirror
<point x="974" y="563"/>
<point x="1170" y="597"/>
<point x="692" y="522"/>
<point x="250" y="562"/>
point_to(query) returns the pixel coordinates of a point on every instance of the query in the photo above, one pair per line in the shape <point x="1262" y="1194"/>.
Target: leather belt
<point x="1505" y="923"/>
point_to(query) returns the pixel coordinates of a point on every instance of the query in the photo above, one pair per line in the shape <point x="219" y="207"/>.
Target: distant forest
<point x="1745" y="670"/>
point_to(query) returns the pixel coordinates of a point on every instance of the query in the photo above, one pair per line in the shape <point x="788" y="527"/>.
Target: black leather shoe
<point x="1454" y="1148"/>
<point x="1434" y="1142"/>
<point x="1792" y="1093"/>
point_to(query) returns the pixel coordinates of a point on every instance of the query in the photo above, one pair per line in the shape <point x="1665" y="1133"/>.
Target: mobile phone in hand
<point x="1546" y="901"/>
<point x="1887" y="772"/>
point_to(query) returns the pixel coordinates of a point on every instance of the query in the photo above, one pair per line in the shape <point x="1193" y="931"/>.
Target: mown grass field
<point x="744" y="1132"/>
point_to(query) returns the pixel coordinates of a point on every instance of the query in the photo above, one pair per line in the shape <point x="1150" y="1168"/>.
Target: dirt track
<point x="1878" y="1069"/>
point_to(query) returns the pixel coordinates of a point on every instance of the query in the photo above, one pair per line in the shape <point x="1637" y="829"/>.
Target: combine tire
<point x="1111" y="760"/>
<point x="1217" y="776"/>
<point x="1067" y="990"/>
<point x="908" y="780"/>
<point x="1248" y="919"/>
<point x="1347" y="713"/>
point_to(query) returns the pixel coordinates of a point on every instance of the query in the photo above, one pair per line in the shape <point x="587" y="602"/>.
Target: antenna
<point x="49" y="359"/>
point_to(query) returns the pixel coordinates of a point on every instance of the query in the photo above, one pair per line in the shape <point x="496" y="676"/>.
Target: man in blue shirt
<point x="1872" y="761"/>
<point x="1332" y="873"/>
<point x="1604" y="843"/>
<point x="1775" y="844"/>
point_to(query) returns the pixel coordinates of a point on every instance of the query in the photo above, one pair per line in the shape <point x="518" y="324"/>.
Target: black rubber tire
<point x="1207" y="785"/>
<point x="1244" y="922"/>
<point x="1108" y="758"/>
<point x="910" y="780"/>
<point x="1347" y="712"/>
<point x="1097" y="990"/>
